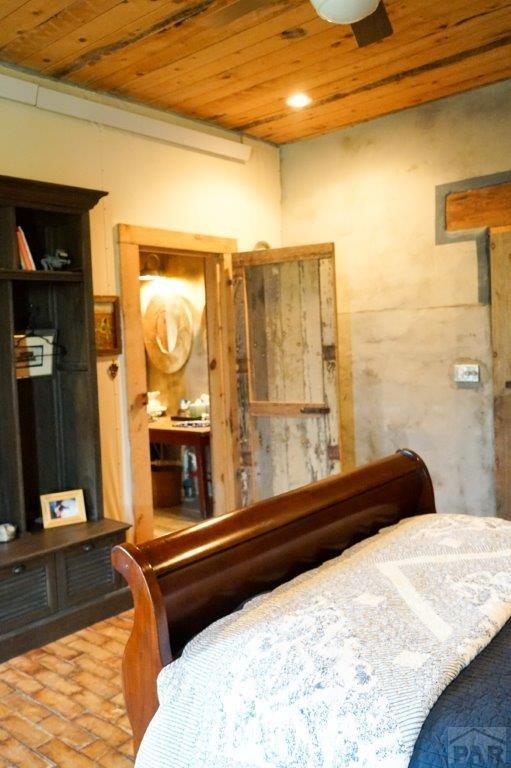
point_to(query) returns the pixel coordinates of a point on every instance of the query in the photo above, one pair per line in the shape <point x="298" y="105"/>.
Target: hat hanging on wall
<point x="168" y="332"/>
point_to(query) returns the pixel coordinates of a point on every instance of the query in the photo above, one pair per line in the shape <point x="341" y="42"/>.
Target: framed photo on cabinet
<point x="63" y="508"/>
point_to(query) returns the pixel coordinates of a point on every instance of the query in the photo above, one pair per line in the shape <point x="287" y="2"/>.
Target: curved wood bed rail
<point x="183" y="582"/>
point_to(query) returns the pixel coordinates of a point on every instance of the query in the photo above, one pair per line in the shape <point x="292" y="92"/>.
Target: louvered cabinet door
<point x="27" y="593"/>
<point x="85" y="571"/>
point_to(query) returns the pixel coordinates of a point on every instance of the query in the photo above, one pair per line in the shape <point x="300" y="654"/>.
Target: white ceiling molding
<point x="17" y="89"/>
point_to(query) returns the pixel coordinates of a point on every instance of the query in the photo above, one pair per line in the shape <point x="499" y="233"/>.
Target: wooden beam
<point x="136" y="388"/>
<point x="477" y="208"/>
<point x="223" y="438"/>
<point x="501" y="342"/>
<point x="147" y="237"/>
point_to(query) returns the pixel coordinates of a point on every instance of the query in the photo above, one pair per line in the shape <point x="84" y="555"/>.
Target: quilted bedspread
<point x="470" y="724"/>
<point x="340" y="666"/>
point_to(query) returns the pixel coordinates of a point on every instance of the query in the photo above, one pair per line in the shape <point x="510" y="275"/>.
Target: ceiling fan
<point x="368" y="18"/>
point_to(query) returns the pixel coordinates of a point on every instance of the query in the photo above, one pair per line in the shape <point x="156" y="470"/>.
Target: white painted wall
<point x="151" y="184"/>
<point x="408" y="308"/>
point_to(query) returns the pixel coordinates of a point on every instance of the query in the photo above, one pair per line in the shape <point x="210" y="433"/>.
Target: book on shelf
<point x="26" y="258"/>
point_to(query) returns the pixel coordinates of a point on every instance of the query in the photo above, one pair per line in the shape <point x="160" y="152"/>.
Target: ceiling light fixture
<point x="345" y="11"/>
<point x="298" y="100"/>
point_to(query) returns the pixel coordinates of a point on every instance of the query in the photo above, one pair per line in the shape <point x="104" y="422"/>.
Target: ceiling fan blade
<point x="234" y="12"/>
<point x="375" y="27"/>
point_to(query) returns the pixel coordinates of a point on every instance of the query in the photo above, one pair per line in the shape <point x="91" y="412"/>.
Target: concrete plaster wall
<point x="408" y="308"/>
<point x="151" y="184"/>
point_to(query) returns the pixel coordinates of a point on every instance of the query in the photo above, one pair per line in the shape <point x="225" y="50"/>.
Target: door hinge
<point x="315" y="409"/>
<point x="333" y="453"/>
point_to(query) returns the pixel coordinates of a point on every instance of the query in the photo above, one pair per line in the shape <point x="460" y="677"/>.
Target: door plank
<point x="313" y="431"/>
<point x="136" y="387"/>
<point x="221" y="450"/>
<point x="501" y="342"/>
<point x="281" y="255"/>
<point x="329" y="343"/>
<point x="247" y="453"/>
<point x="229" y="383"/>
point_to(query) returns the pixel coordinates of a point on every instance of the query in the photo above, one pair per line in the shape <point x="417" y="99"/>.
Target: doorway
<point x="205" y="263"/>
<point x="173" y="308"/>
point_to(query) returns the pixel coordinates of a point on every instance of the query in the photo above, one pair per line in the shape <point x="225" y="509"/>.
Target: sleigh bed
<point x="184" y="582"/>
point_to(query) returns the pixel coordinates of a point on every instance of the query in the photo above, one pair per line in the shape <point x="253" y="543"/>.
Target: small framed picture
<point x="34" y="353"/>
<point x="63" y="508"/>
<point x="107" y="325"/>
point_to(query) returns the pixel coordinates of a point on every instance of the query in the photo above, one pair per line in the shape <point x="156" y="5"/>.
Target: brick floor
<point x="62" y="705"/>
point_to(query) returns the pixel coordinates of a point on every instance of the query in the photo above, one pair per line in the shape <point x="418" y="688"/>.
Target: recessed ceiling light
<point x="298" y="100"/>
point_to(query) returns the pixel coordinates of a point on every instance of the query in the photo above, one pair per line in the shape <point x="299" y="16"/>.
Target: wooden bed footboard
<point x="183" y="582"/>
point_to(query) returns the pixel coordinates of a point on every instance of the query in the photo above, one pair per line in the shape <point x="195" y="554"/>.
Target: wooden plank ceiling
<point x="183" y="55"/>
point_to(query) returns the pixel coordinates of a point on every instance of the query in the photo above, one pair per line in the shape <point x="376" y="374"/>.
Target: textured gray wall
<point x="408" y="308"/>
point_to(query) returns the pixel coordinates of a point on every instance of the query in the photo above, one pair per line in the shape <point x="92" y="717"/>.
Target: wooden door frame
<point x="222" y="378"/>
<point x="500" y="269"/>
<point x="479" y="209"/>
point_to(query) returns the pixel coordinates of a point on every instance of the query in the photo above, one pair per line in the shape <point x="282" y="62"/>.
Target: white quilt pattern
<point x="339" y="667"/>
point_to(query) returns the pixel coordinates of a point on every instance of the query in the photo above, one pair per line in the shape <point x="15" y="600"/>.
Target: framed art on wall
<point x="107" y="325"/>
<point x="34" y="353"/>
<point x="63" y="508"/>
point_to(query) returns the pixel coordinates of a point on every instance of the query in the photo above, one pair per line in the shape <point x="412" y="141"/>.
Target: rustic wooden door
<point x="500" y="262"/>
<point x="287" y="372"/>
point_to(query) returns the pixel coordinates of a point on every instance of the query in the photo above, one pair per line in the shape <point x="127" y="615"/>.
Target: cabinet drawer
<point x="27" y="592"/>
<point x="85" y="571"/>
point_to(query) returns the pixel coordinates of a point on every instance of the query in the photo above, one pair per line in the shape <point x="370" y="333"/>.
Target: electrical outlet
<point x="467" y="373"/>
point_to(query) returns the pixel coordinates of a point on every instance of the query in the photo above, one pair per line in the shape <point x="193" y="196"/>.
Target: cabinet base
<point x="64" y="623"/>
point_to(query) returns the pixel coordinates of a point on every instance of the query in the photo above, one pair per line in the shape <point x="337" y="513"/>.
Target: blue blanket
<point x="470" y="725"/>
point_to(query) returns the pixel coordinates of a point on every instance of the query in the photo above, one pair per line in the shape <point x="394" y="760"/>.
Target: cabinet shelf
<point x="42" y="541"/>
<point x="74" y="276"/>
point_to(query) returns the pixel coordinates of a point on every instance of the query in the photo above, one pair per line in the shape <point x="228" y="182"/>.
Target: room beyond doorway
<point x="173" y="307"/>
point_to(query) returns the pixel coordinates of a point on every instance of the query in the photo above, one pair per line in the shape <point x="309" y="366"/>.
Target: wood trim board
<point x="500" y="261"/>
<point x="280" y="255"/>
<point x="475" y="208"/>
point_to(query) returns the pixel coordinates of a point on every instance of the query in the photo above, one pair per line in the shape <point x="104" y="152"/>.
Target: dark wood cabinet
<point x="51" y="581"/>
<point x="28" y="592"/>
